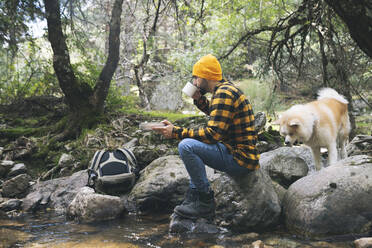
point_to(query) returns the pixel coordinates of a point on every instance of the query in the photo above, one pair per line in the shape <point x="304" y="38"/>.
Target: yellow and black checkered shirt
<point x="231" y="123"/>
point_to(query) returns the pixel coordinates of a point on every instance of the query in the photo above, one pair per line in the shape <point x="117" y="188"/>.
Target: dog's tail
<point x="331" y="93"/>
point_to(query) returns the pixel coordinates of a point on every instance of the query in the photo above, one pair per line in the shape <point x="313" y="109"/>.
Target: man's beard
<point x="202" y="91"/>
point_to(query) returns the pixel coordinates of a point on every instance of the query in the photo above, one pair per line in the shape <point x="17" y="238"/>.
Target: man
<point x="227" y="143"/>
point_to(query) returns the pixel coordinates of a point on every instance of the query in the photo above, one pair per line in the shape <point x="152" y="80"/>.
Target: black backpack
<point x="112" y="172"/>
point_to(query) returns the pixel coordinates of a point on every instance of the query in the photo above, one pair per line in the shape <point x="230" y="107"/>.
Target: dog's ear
<point x="294" y="123"/>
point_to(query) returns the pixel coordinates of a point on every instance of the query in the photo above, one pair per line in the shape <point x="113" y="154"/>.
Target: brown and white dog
<point x="321" y="123"/>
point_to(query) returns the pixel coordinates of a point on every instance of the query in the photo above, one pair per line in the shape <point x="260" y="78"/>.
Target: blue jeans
<point x="196" y="154"/>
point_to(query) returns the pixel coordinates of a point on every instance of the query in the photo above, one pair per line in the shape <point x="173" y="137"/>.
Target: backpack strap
<point x="132" y="160"/>
<point x="92" y="171"/>
<point x="134" y="165"/>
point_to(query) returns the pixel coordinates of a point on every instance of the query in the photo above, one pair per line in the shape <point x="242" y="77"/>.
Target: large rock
<point x="285" y="165"/>
<point x="66" y="160"/>
<point x="11" y="204"/>
<point x="17" y="186"/>
<point x="148" y="153"/>
<point x="56" y="193"/>
<point x="246" y="203"/>
<point x="182" y="225"/>
<point x="162" y="185"/>
<point x="20" y="149"/>
<point x="155" y="91"/>
<point x="88" y="206"/>
<point x="5" y="167"/>
<point x="17" y="169"/>
<point x="363" y="242"/>
<point x="336" y="200"/>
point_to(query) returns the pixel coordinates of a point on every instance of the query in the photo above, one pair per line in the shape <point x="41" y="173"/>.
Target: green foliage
<point x="116" y="101"/>
<point x="225" y="23"/>
<point x="14" y="16"/>
<point x="261" y="95"/>
<point x="183" y="35"/>
<point x="29" y="74"/>
<point x="363" y="124"/>
<point x="86" y="72"/>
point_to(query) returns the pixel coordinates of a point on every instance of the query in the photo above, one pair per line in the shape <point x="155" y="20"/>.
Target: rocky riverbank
<point x="286" y="190"/>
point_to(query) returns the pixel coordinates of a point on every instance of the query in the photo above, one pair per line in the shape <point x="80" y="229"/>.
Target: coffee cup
<point x="189" y="89"/>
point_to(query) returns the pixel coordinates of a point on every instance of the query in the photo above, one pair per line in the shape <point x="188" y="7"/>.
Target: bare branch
<point x="245" y="37"/>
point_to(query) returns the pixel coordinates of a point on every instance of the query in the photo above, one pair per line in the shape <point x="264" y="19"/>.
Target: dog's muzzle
<point x="287" y="143"/>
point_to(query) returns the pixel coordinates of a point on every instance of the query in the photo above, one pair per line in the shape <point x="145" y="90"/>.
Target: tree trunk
<point x="85" y="104"/>
<point x="357" y="16"/>
<point x="144" y="101"/>
<point x="104" y="80"/>
<point x="139" y="69"/>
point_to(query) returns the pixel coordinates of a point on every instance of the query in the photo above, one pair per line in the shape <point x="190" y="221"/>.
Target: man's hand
<point x="197" y="95"/>
<point x="166" y="131"/>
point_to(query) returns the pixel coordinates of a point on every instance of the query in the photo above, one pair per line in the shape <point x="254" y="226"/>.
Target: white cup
<point x="189" y="89"/>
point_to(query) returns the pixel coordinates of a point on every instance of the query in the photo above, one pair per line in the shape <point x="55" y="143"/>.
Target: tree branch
<point x="242" y="39"/>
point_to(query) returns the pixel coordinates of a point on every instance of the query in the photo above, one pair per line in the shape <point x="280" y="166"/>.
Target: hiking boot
<point x="190" y="196"/>
<point x="203" y="207"/>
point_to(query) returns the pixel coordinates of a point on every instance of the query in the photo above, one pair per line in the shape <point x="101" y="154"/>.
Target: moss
<point x="60" y="124"/>
<point x="14" y="133"/>
<point x="104" y="127"/>
<point x="54" y="156"/>
<point x="39" y="161"/>
<point x="90" y="121"/>
<point x="42" y="152"/>
<point x="30" y="122"/>
<point x="49" y="153"/>
<point x="171" y="116"/>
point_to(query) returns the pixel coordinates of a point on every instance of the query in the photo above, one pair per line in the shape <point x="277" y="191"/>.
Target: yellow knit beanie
<point x="208" y="68"/>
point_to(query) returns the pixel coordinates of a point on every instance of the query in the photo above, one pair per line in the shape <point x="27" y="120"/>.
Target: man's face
<point x="201" y="83"/>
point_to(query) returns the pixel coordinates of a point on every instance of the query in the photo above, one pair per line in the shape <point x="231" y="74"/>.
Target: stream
<point x="52" y="230"/>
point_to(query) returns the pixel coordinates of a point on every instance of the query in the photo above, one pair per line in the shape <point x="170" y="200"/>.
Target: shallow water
<point x="53" y="231"/>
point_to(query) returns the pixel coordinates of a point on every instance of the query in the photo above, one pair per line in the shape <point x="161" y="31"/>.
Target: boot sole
<point x="193" y="217"/>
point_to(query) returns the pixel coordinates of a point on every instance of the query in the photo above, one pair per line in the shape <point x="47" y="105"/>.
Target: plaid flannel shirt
<point x="231" y="123"/>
